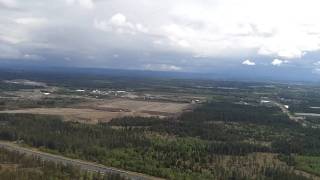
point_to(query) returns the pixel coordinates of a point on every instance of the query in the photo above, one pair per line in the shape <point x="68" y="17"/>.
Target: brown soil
<point x="105" y="110"/>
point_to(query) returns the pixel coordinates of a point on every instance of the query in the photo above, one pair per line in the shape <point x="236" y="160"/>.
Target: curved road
<point x="84" y="165"/>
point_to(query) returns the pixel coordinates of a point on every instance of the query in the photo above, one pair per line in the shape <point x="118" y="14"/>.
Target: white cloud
<point x="119" y="20"/>
<point x="30" y="21"/>
<point x="141" y="28"/>
<point x="278" y="62"/>
<point x="83" y="3"/>
<point x="119" y="23"/>
<point x="162" y="67"/>
<point x="10" y="39"/>
<point x="284" y="52"/>
<point x="246" y="26"/>
<point x="86" y="3"/>
<point x="248" y="63"/>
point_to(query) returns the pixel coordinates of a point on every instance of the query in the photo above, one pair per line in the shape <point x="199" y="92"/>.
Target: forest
<point x="17" y="166"/>
<point x="208" y="143"/>
<point x="231" y="134"/>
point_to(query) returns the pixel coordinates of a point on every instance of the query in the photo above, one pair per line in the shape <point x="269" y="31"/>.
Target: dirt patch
<point x="137" y="105"/>
<point x="71" y="114"/>
<point x="105" y="110"/>
<point x="8" y="167"/>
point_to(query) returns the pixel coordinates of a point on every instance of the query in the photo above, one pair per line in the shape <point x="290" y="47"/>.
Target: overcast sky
<point x="166" y="35"/>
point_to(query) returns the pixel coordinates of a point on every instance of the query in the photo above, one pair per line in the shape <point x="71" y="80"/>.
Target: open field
<point x="135" y="106"/>
<point x="308" y="164"/>
<point x="105" y="110"/>
<point x="91" y="105"/>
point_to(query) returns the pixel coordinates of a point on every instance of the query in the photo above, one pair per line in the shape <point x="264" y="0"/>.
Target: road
<point x="287" y="112"/>
<point x="83" y="165"/>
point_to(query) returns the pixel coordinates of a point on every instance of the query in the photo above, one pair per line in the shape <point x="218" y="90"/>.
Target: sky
<point x="164" y="35"/>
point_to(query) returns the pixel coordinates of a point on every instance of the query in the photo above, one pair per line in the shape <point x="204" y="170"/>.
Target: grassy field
<point x="309" y="164"/>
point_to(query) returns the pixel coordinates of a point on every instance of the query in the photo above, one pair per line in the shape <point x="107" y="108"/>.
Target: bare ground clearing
<point x="105" y="110"/>
<point x="136" y="105"/>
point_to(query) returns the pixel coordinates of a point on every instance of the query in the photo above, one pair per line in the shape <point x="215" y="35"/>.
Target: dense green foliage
<point x="210" y="121"/>
<point x="142" y="150"/>
<point x="224" y="111"/>
<point x="308" y="163"/>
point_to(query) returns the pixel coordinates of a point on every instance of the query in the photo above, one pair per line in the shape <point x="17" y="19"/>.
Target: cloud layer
<point x="180" y="35"/>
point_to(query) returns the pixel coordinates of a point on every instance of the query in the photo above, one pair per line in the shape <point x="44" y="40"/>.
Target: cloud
<point x="32" y="57"/>
<point x="316" y="68"/>
<point x="86" y="3"/>
<point x="30" y="21"/>
<point x="9" y="52"/>
<point x="162" y="67"/>
<point x="248" y="63"/>
<point x="278" y="62"/>
<point x="119" y="20"/>
<point x="282" y="52"/>
<point x="9" y="39"/>
<point x="83" y="3"/>
<point x="265" y="33"/>
<point x="8" y="4"/>
<point x="205" y="34"/>
<point x="119" y="23"/>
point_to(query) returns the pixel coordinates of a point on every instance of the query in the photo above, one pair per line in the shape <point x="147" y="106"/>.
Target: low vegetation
<point x="308" y="163"/>
<point x="17" y="166"/>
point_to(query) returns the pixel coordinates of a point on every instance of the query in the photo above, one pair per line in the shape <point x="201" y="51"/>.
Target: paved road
<point x="88" y="166"/>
